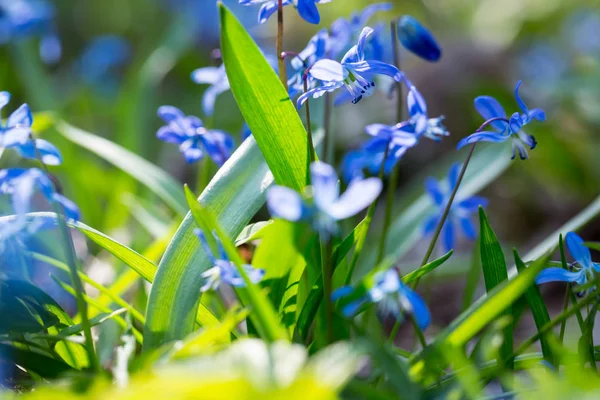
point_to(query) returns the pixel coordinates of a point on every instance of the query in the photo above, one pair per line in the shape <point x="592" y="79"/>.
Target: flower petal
<point x="69" y="208"/>
<point x="20" y="117"/>
<point x="415" y="305"/>
<point x="168" y="135"/>
<point x="560" y="275"/>
<point x="368" y="12"/>
<point x="362" y="41"/>
<point x="4" y="99"/>
<point x="208" y="75"/>
<point x="449" y="238"/>
<point x="416" y="103"/>
<point x="205" y="246"/>
<point x="209" y="98"/>
<point x="358" y="196"/>
<point x="190" y="150"/>
<point x="488" y="107"/>
<point x="48" y="152"/>
<point x="468" y="228"/>
<point x="328" y="71"/>
<point x="430" y="224"/>
<point x="472" y="203"/>
<point x="580" y="253"/>
<point x="376" y="67"/>
<point x="170" y="113"/>
<point x="416" y="38"/>
<point x="341" y="292"/>
<point x="308" y="11"/>
<point x="432" y="187"/>
<point x="453" y="174"/>
<point x="537" y="114"/>
<point x="325" y="185"/>
<point x="285" y="203"/>
<point x="266" y="11"/>
<point x="520" y="102"/>
<point x="317" y="92"/>
<point x="484" y="136"/>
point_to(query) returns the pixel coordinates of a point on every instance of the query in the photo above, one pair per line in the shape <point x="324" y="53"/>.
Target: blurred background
<point x="106" y="66"/>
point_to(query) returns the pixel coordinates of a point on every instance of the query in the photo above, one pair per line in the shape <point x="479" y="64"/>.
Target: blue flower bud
<point x="416" y="38"/>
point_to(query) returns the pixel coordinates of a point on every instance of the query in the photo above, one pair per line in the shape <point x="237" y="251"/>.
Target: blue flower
<point x="416" y="38"/>
<point x="216" y="77"/>
<point x="390" y="293"/>
<point x="16" y="134"/>
<point x="306" y="8"/>
<point x="224" y="270"/>
<point x="354" y="72"/>
<point x="327" y="206"/>
<point x="582" y="256"/>
<point x="460" y="211"/>
<point x="369" y="157"/>
<point x="192" y="137"/>
<point x="21" y="184"/>
<point x="345" y="31"/>
<point x="314" y="51"/>
<point x="21" y="19"/>
<point x="490" y="108"/>
<point x="101" y="57"/>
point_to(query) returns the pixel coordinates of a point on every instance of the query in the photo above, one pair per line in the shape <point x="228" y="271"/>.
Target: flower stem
<point x="73" y="271"/>
<point x="393" y="180"/>
<point x="203" y="175"/>
<point x="311" y="145"/>
<point x="326" y="255"/>
<point x="328" y="140"/>
<point x="279" y="45"/>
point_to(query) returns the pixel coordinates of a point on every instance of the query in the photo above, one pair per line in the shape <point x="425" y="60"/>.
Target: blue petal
<point x="560" y="275"/>
<point x="328" y="71"/>
<point x="449" y="238"/>
<point x="266" y="11"/>
<point x="416" y="103"/>
<point x="254" y="274"/>
<point x="580" y="253"/>
<point x="218" y="145"/>
<point x="168" y="135"/>
<point x="416" y="306"/>
<point x="430" y="224"/>
<point x="208" y="75"/>
<point x="309" y="11"/>
<point x="190" y="150"/>
<point x="537" y="114"/>
<point x="352" y="308"/>
<point x="317" y="92"/>
<point x="69" y="208"/>
<point x="170" y="113"/>
<point x="341" y="292"/>
<point x="362" y="41"/>
<point x="529" y="140"/>
<point x="20" y="117"/>
<point x="488" y="107"/>
<point x="324" y="181"/>
<point x="50" y="49"/>
<point x="416" y="38"/>
<point x="343" y="97"/>
<point x="468" y="228"/>
<point x="358" y="196"/>
<point x="368" y="12"/>
<point x="515" y="123"/>
<point x="484" y="136"/>
<point x="520" y="102"/>
<point x="49" y="153"/>
<point x="379" y="130"/>
<point x="376" y="67"/>
<point x="472" y="203"/>
<point x="4" y="99"/>
<point x="433" y="188"/>
<point x="209" y="98"/>
<point x="285" y="203"/>
<point x="353" y="164"/>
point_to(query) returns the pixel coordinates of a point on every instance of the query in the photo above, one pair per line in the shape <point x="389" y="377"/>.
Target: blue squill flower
<point x="369" y="157"/>
<point x="490" y="108"/>
<point x="328" y="206"/>
<point x="102" y="56"/>
<point x="460" y="211"/>
<point x="21" y="19"/>
<point x="223" y="270"/>
<point x="193" y="138"/>
<point x="390" y="293"/>
<point x="21" y="185"/>
<point x="216" y="77"/>
<point x="345" y="31"/>
<point x="306" y="8"/>
<point x="582" y="257"/>
<point x="353" y="72"/>
<point x="16" y="134"/>
<point x="314" y="51"/>
<point x="416" y="38"/>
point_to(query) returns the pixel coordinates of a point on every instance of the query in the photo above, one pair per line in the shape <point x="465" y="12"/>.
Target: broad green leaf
<point x="154" y="178"/>
<point x="25" y="308"/>
<point x="493" y="265"/>
<point x="233" y="196"/>
<point x="38" y="363"/>
<point x="262" y="313"/>
<point x="478" y="316"/>
<point x="252" y="232"/>
<point x="538" y="309"/>
<point x="487" y="163"/>
<point x="264" y="103"/>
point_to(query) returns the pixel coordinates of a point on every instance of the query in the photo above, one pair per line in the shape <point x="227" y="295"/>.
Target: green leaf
<point x="593" y="245"/>
<point x="262" y="314"/>
<point x="154" y="178"/>
<point x="538" y="309"/>
<point x="252" y="232"/>
<point x="234" y="195"/>
<point x="97" y="320"/>
<point x="427" y="268"/>
<point x="265" y="104"/>
<point x="493" y="265"/>
<point x="25" y="308"/>
<point x="478" y="316"/>
<point x="487" y="163"/>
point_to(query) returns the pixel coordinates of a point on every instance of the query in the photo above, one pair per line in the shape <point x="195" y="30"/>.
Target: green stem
<point x="311" y="145"/>
<point x="203" y="175"/>
<point x="393" y="180"/>
<point x="440" y="224"/>
<point x="279" y="45"/>
<point x="328" y="140"/>
<point x="326" y="255"/>
<point x="563" y="325"/>
<point x="33" y="76"/>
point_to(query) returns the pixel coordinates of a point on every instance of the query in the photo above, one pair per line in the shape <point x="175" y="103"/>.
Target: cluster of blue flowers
<point x="20" y="185"/>
<point x="352" y="56"/>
